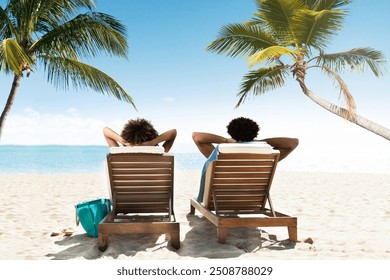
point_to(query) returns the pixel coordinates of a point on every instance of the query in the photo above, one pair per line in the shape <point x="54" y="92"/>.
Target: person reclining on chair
<point x="242" y="130"/>
<point x="139" y="132"/>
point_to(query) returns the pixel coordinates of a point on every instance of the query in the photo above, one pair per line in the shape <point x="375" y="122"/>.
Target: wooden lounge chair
<point x="142" y="195"/>
<point x="237" y="188"/>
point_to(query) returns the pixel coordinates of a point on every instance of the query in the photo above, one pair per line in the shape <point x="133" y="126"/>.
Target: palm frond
<point x="34" y="11"/>
<point x="64" y="72"/>
<point x="350" y="113"/>
<point x="84" y="36"/>
<point x="75" y="4"/>
<point x="54" y="13"/>
<point x="270" y="53"/>
<point x="355" y="60"/>
<point x="315" y="28"/>
<point x="277" y="16"/>
<point x="240" y="39"/>
<point x="13" y="56"/>
<point x="318" y="5"/>
<point x="26" y="14"/>
<point x="262" y="80"/>
<point x="7" y="27"/>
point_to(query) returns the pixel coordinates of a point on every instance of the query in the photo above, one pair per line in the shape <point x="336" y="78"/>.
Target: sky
<point x="175" y="83"/>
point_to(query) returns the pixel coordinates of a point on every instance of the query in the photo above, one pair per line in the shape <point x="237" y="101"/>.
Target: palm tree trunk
<point x="10" y="100"/>
<point x="341" y="112"/>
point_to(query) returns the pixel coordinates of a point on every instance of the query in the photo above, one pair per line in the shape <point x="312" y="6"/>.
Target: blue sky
<point x="177" y="84"/>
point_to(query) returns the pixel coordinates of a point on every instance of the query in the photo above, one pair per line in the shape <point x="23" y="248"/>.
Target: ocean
<point x="70" y="159"/>
<point x="87" y="159"/>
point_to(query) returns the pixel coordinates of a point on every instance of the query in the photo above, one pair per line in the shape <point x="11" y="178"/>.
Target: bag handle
<point x="77" y="216"/>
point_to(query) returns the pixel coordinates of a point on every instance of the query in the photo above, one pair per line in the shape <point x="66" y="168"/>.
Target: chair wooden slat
<point x="237" y="181"/>
<point x="145" y="183"/>
<point x="141" y="170"/>
<point x="256" y="169"/>
<point x="242" y="175"/>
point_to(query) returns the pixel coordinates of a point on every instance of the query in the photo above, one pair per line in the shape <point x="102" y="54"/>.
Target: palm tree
<point x="53" y="34"/>
<point x="298" y="30"/>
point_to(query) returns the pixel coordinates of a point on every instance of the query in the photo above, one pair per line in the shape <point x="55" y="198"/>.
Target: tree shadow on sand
<point x="201" y="241"/>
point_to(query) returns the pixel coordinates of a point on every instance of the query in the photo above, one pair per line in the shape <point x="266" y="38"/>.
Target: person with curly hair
<point x="139" y="132"/>
<point x="242" y="130"/>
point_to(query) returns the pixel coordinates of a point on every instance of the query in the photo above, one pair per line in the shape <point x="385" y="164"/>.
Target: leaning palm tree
<point x="297" y="31"/>
<point x="55" y="35"/>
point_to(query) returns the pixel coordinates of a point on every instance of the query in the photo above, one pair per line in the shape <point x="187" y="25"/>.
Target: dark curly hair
<point x="138" y="131"/>
<point x="243" y="129"/>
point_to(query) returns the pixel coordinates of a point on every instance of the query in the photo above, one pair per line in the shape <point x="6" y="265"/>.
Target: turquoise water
<point x="70" y="159"/>
<point x="81" y="159"/>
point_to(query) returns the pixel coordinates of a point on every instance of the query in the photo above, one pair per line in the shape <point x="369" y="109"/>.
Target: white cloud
<point x="31" y="112"/>
<point x="73" y="111"/>
<point x="169" y="99"/>
<point x="35" y="128"/>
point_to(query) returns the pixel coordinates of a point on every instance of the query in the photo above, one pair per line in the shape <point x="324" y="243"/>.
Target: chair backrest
<point x="240" y="182"/>
<point x="141" y="183"/>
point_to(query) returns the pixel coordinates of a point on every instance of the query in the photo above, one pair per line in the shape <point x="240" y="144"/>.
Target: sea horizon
<point x="90" y="159"/>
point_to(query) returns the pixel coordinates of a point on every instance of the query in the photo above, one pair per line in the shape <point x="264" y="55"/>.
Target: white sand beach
<point x="347" y="216"/>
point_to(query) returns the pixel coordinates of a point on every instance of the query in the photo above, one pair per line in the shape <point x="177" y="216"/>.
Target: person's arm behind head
<point x="113" y="138"/>
<point x="204" y="141"/>
<point x="283" y="144"/>
<point x="167" y="137"/>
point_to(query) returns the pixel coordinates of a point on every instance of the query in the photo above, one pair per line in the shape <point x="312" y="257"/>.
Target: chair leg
<point x="222" y="234"/>
<point x="293" y="233"/>
<point x="175" y="239"/>
<point x="102" y="241"/>
<point x="192" y="210"/>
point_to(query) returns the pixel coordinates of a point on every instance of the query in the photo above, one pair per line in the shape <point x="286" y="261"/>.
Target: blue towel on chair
<point x="211" y="158"/>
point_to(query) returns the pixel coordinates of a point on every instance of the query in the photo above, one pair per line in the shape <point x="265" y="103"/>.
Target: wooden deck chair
<point x="237" y="189"/>
<point x="141" y="185"/>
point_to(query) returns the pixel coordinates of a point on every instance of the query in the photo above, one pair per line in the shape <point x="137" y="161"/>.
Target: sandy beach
<point x="346" y="216"/>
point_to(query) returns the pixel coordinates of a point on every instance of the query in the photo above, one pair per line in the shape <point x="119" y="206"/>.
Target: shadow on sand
<point x="200" y="241"/>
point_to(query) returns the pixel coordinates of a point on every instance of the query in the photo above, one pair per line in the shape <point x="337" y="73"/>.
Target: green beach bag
<point x="91" y="213"/>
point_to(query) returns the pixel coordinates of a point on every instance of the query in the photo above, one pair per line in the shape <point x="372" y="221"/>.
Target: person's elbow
<point x="196" y="137"/>
<point x="294" y="143"/>
<point x="291" y="145"/>
<point x="172" y="134"/>
<point x="106" y="131"/>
